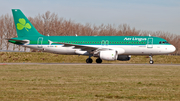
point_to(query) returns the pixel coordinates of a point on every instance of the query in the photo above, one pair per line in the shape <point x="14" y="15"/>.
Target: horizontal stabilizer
<point x="17" y="40"/>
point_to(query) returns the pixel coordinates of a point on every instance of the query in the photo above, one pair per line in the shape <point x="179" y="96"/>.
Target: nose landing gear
<point x="151" y="60"/>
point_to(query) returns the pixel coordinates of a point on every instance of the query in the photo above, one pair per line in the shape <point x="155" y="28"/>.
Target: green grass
<point x="89" y="82"/>
<point x="38" y="57"/>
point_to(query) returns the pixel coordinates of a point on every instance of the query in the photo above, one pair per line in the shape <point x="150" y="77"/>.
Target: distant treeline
<point x="51" y="24"/>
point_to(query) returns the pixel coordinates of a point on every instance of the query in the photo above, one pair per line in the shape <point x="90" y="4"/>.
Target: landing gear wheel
<point x="89" y="60"/>
<point x="98" y="60"/>
<point x="151" y="61"/>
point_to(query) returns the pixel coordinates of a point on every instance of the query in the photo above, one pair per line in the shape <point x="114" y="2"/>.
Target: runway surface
<point x="83" y="64"/>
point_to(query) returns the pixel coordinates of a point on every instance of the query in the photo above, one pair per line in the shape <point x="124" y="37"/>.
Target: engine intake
<point x="108" y="55"/>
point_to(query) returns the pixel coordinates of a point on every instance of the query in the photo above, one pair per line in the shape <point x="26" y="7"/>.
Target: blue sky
<point x="149" y="15"/>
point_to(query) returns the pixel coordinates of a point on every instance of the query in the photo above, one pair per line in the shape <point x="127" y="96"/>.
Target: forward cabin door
<point x="39" y="42"/>
<point x="150" y="43"/>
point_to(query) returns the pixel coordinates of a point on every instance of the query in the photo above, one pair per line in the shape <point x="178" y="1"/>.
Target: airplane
<point x="103" y="47"/>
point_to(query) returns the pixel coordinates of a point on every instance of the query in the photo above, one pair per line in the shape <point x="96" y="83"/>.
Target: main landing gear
<point x="89" y="60"/>
<point x="151" y="60"/>
<point x="98" y="60"/>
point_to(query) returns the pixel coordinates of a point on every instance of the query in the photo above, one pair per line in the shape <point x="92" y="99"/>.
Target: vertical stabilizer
<point x="23" y="26"/>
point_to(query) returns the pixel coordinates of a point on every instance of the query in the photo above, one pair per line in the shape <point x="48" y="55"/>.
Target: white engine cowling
<point x="108" y="55"/>
<point x="124" y="57"/>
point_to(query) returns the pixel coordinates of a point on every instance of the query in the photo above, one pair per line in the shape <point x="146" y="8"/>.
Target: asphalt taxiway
<point x="83" y="64"/>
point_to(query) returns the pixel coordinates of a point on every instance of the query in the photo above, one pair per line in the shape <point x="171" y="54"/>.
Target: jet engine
<point x="108" y="55"/>
<point x="124" y="57"/>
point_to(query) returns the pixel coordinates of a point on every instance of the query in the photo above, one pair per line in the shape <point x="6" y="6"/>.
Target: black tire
<point x="151" y="61"/>
<point x="89" y="60"/>
<point x="98" y="60"/>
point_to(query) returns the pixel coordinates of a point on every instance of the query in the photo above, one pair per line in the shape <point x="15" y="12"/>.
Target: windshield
<point x="163" y="42"/>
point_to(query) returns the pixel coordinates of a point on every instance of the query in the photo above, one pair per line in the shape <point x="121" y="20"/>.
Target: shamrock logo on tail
<point x="22" y="24"/>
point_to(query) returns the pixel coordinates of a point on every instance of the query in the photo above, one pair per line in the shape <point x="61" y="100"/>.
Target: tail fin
<point x="23" y="26"/>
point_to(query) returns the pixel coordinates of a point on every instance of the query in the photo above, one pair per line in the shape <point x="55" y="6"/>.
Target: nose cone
<point x="172" y="49"/>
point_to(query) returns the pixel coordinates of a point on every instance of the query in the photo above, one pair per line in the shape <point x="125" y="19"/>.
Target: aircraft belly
<point x="134" y="50"/>
<point x="32" y="47"/>
<point x="60" y="49"/>
<point x="140" y="50"/>
<point x="54" y="49"/>
<point x="130" y="50"/>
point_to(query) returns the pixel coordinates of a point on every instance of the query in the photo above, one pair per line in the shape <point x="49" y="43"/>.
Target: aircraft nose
<point x="172" y="48"/>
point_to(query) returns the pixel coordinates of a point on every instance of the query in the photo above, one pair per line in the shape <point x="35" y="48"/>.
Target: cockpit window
<point x="163" y="42"/>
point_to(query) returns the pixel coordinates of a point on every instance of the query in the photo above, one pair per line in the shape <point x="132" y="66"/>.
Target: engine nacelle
<point x="108" y="55"/>
<point x="124" y="57"/>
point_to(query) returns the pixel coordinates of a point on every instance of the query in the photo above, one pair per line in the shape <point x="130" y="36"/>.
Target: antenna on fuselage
<point x="149" y="35"/>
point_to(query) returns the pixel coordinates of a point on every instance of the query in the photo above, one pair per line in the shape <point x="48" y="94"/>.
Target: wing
<point x="91" y="49"/>
<point x="83" y="47"/>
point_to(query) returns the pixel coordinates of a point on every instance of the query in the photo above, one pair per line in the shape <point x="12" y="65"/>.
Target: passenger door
<point x="150" y="43"/>
<point x="39" y="42"/>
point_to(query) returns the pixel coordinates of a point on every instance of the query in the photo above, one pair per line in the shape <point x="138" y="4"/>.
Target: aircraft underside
<point x="106" y="54"/>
